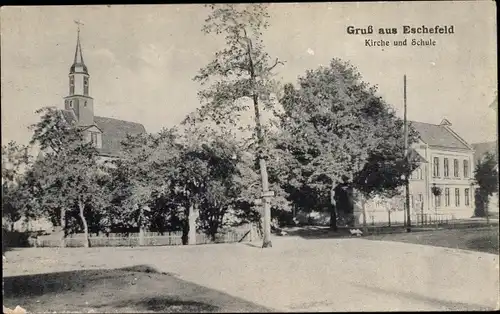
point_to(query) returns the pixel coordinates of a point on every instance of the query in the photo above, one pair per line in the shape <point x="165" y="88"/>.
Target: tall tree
<point x="206" y="174"/>
<point x="486" y="177"/>
<point x="335" y="125"/>
<point x="68" y="172"/>
<point x="241" y="70"/>
<point x="184" y="177"/>
<point x="139" y="177"/>
<point x="15" y="164"/>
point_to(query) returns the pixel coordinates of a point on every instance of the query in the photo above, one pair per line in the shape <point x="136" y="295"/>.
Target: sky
<point x="142" y="58"/>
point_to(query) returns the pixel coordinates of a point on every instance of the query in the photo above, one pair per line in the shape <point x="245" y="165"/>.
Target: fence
<point x="428" y="219"/>
<point x="432" y="219"/>
<point x="149" y="239"/>
<point x="395" y="219"/>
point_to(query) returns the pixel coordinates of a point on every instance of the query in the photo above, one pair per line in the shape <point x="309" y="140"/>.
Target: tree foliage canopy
<point x="335" y="125"/>
<point x="15" y="199"/>
<point x="66" y="176"/>
<point x="486" y="174"/>
<point x="332" y="124"/>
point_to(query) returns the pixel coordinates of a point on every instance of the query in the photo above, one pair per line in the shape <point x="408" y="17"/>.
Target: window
<point x="85" y="85"/>
<point x="412" y="202"/>
<point x="85" y="104"/>
<point x="467" y="195"/>
<point x="71" y="103"/>
<point x="71" y="85"/>
<point x="455" y="168"/>
<point x="457" y="197"/>
<point x="466" y="168"/>
<point x="421" y="201"/>
<point x="446" y="168"/>
<point x="437" y="200"/>
<point x="446" y="197"/>
<point x="416" y="174"/>
<point x="436" y="167"/>
<point x="93" y="136"/>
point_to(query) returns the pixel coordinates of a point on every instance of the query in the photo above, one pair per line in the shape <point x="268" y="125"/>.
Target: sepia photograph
<point x="250" y="157"/>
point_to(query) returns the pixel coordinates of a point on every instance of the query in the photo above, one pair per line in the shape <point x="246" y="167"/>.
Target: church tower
<point x="78" y="99"/>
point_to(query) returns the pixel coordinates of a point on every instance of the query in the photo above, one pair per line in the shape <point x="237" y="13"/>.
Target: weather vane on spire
<point x="78" y="23"/>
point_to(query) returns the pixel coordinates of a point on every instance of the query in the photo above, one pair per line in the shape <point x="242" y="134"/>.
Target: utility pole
<point x="407" y="159"/>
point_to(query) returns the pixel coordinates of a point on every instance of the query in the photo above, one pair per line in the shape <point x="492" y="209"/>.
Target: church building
<point x="105" y="133"/>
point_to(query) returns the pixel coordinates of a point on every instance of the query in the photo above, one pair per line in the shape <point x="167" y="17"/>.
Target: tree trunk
<point x="266" y="242"/>
<point x="389" y="213"/>
<point x="193" y="214"/>
<point x="63" y="228"/>
<point x="141" y="225"/>
<point x="333" y="218"/>
<point x="212" y="227"/>
<point x="404" y="215"/>
<point x="141" y="236"/>
<point x="479" y="204"/>
<point x="185" y="231"/>
<point x="86" y="240"/>
<point x="365" y="227"/>
<point x="333" y="211"/>
<point x="251" y="235"/>
<point x="486" y="210"/>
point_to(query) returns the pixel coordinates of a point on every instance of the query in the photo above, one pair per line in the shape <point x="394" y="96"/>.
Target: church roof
<point x="115" y="131"/>
<point x="415" y="156"/>
<point x="439" y="135"/>
<point x="78" y="64"/>
<point x="69" y="115"/>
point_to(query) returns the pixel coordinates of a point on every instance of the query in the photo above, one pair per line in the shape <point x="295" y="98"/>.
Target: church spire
<point x="79" y="100"/>
<point x="78" y="64"/>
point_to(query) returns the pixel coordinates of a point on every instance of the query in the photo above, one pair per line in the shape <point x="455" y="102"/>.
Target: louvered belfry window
<point x="71" y="85"/>
<point x="86" y="86"/>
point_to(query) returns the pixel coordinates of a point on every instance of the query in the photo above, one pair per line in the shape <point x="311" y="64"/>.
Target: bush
<point x="284" y="218"/>
<point x="15" y="239"/>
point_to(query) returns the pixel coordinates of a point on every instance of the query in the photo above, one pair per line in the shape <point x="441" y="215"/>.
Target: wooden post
<point x="63" y="228"/>
<point x="407" y="173"/>
<point x="251" y="235"/>
<point x="422" y="213"/>
<point x="486" y="210"/>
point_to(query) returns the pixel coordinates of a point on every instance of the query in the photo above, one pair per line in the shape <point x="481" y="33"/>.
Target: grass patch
<point x="134" y="289"/>
<point x="481" y="239"/>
